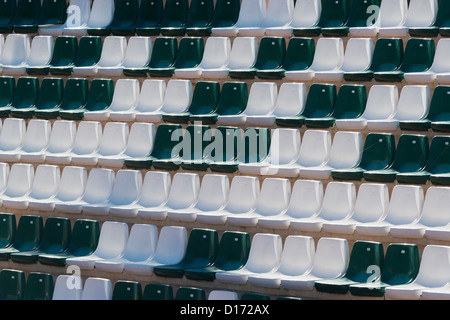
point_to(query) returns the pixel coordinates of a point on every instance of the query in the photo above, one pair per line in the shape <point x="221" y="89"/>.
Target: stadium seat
<point x="141" y="245"/>
<point x="201" y="251"/>
<point x="189" y="55"/>
<point x="12" y="134"/>
<point x="328" y="56"/>
<point x="330" y="261"/>
<point x="12" y="284"/>
<point x="163" y="57"/>
<point x="214" y="61"/>
<point x="25" y="95"/>
<point x="8" y="10"/>
<point x="405" y="206"/>
<point x="151" y="99"/>
<point x="222" y="295"/>
<point x="338" y="203"/>
<point x="251" y="15"/>
<point x="400" y="266"/>
<point x="170" y="250"/>
<point x="363" y="18"/>
<point x="418" y="57"/>
<point x="100" y="96"/>
<point x="410" y="157"/>
<point x="173" y="21"/>
<point x="95" y="289"/>
<point x="51" y="13"/>
<point x="438" y="71"/>
<point x="199" y="18"/>
<point x="26" y="16"/>
<point x="232" y="254"/>
<point x="7" y="90"/>
<point x="442" y="18"/>
<point x="28" y="236"/>
<point x="433" y="273"/>
<point x="126" y="290"/>
<point x="137" y="57"/>
<point x="64" y="292"/>
<point x="264" y="256"/>
<point x="226" y="14"/>
<point x="8" y="228"/>
<point x="243" y="55"/>
<point x="157" y="291"/>
<point x="39" y="286"/>
<point x="124" y="99"/>
<point x="306" y="15"/>
<point x="101" y="16"/>
<point x="371" y="205"/>
<point x="178" y="198"/>
<point x="432" y="217"/>
<point x="345" y="153"/>
<point x="242" y="198"/>
<point x="149" y="18"/>
<point x="16" y="52"/>
<point x="83" y="242"/>
<point x="20" y="181"/>
<point x="78" y="12"/>
<point x="124" y="19"/>
<point x="278" y="19"/>
<point x="189" y="293"/>
<point x="392" y="17"/>
<point x="55" y="239"/>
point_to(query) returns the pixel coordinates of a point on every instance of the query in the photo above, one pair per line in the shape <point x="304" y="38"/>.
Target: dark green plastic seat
<point x="50" y="96"/>
<point x="232" y="254"/>
<point x="401" y="266"/>
<point x="350" y="104"/>
<point x="319" y="104"/>
<point x="387" y="56"/>
<point x="418" y="57"/>
<point x="125" y="17"/>
<point x="189" y="293"/>
<point x="299" y="56"/>
<point x="190" y="53"/>
<point x="7" y="91"/>
<point x="200" y="15"/>
<point x="74" y="98"/>
<point x="226" y="13"/>
<point x="364" y="255"/>
<point x="378" y="153"/>
<point x="55" y="239"/>
<point x="163" y="57"/>
<point x="7" y="15"/>
<point x="196" y="139"/>
<point x="156" y="291"/>
<point x="25" y="97"/>
<point x="201" y="252"/>
<point x="27" y="16"/>
<point x="28" y="236"/>
<point x="173" y="22"/>
<point x="224" y="146"/>
<point x="253" y="148"/>
<point x="163" y="148"/>
<point x="410" y="156"/>
<point x="83" y="242"/>
<point x="334" y="15"/>
<point x="52" y="12"/>
<point x="269" y="60"/>
<point x="12" y="284"/>
<point x="437" y="163"/>
<point x="149" y="18"/>
<point x="7" y="229"/>
<point x="204" y="102"/>
<point x="99" y="98"/>
<point x="127" y="290"/>
<point x="254" y="296"/>
<point x="39" y="286"/>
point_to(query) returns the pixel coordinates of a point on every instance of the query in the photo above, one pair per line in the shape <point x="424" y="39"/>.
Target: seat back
<point x="200" y="13"/>
<point x="291" y="100"/>
<point x="421" y="13"/>
<point x="401" y="264"/>
<point x="39" y="286"/>
<point x="139" y="51"/>
<point x="274" y="196"/>
<point x="350" y="102"/>
<point x="201" y="247"/>
<point x="72" y="183"/>
<point x="224" y="144"/>
<point x="142" y="242"/>
<point x="320" y="101"/>
<point x="88" y="137"/>
<point x="7" y="229"/>
<point x="99" y="185"/>
<point x="205" y="98"/>
<point x="233" y="98"/>
<point x="56" y="235"/>
<point x="183" y="191"/>
<point x="265" y="253"/>
<point x="252" y="13"/>
<point x="419" y="55"/>
<point x="100" y="95"/>
<point x="226" y="13"/>
<point x="125" y="14"/>
<point x="41" y="51"/>
<point x="331" y="258"/>
<point x="195" y="140"/>
<point x="27" y="12"/>
<point x="271" y="53"/>
<point x="7" y="12"/>
<point x="164" y="52"/>
<point x="285" y="147"/>
<point x="46" y="182"/>
<point x="298" y="255"/>
<point x="157" y="291"/>
<point x="172" y="244"/>
<point x="29" y="233"/>
<point x="65" y="51"/>
<point x="364" y="255"/>
<point x="152" y="95"/>
<point x="127" y="290"/>
<point x="155" y="189"/>
<point x="27" y="92"/>
<point x="371" y="203"/>
<point x="279" y="13"/>
<point x="306" y="199"/>
<point x="114" y="139"/>
<point x="244" y="194"/>
<point x="140" y="140"/>
<point x="382" y="102"/>
<point x="433" y="210"/>
<point x="12" y="134"/>
<point x="64" y="292"/>
<point x="175" y="13"/>
<point x="190" y="52"/>
<point x="433" y="269"/>
<point x="329" y="54"/>
<point x="101" y="15"/>
<point x="299" y="54"/>
<point x="189" y="293"/>
<point x="411" y="153"/>
<point x="127" y="187"/>
<point x="339" y="201"/>
<point x="150" y="13"/>
<point x="52" y="12"/>
<point x="84" y="239"/>
<point x="75" y="94"/>
<point x="315" y="148"/>
<point x="255" y="145"/>
<point x="126" y="95"/>
<point x="167" y="137"/>
<point x="393" y="13"/>
<point x="243" y="53"/>
<point x="97" y="289"/>
<point x="262" y="98"/>
<point x="178" y="96"/>
<point x="113" y="240"/>
<point x="12" y="284"/>
<point x="358" y="55"/>
<point x="438" y="155"/>
<point x="113" y="52"/>
<point x="37" y="136"/>
<point x="20" y="180"/>
<point x="387" y="54"/>
<point x="89" y="51"/>
<point x="217" y="53"/>
<point x="233" y="250"/>
<point x="360" y="12"/>
<point x="405" y="205"/>
<point x="334" y="13"/>
<point x="50" y="93"/>
<point x="442" y="16"/>
<point x="7" y="90"/>
<point x="306" y="13"/>
<point x="378" y="152"/>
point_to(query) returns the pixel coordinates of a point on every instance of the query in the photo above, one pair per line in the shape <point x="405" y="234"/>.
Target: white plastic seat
<point x="345" y="153"/>
<point x="358" y="57"/>
<point x="264" y="256"/>
<point x="405" y="207"/>
<point x="261" y="100"/>
<point x="62" y="139"/>
<point x="177" y="99"/>
<point x="20" y="181"/>
<point x="140" y="144"/>
<point x="439" y="70"/>
<point x="413" y="104"/>
<point x="392" y="18"/>
<point x="273" y="200"/>
<point x="243" y="54"/>
<point x="306" y="13"/>
<point x="381" y="104"/>
<point x="251" y="15"/>
<point x="98" y="189"/>
<point x="12" y="135"/>
<point x="222" y="295"/>
<point x="215" y="58"/>
<point x="15" y="51"/>
<point x="125" y="99"/>
<point x="329" y="56"/>
<point x="242" y="198"/>
<point x="170" y="249"/>
<point x="338" y="203"/>
<point x="41" y="52"/>
<point x="96" y="289"/>
<point x="141" y="245"/>
<point x="137" y="55"/>
<point x="182" y="196"/>
<point x="114" y="141"/>
<point x="113" y="54"/>
<point x="371" y="205"/>
<point x="330" y="261"/>
<point x="151" y="99"/>
<point x="278" y="19"/>
<point x="45" y="185"/>
<point x="154" y="193"/>
<point x="296" y="259"/>
<point x="305" y="201"/>
<point x="35" y="140"/>
<point x="112" y="243"/>
<point x="126" y="190"/>
<point x="71" y="187"/>
<point x="284" y="151"/>
<point x="68" y="287"/>
<point x="87" y="140"/>
<point x="213" y="196"/>
<point x="434" y="272"/>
